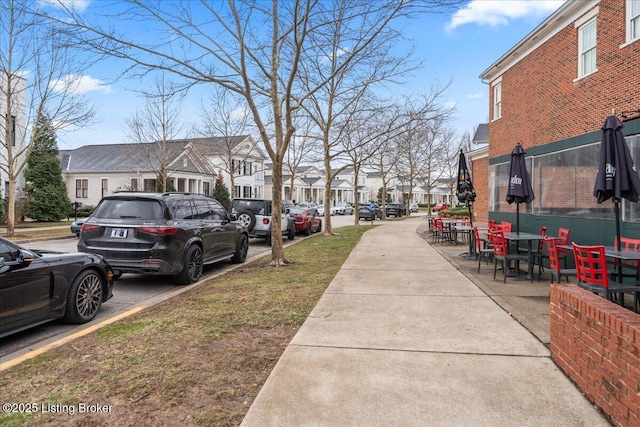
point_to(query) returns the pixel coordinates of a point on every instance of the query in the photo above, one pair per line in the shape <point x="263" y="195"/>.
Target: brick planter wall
<point x="597" y="344"/>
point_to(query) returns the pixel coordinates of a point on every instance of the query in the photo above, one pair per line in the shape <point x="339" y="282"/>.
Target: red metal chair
<point x="483" y="249"/>
<point x="554" y="262"/>
<point x="501" y="253"/>
<point x="591" y="266"/>
<point x="563" y="239"/>
<point x="539" y="256"/>
<point x="632" y="245"/>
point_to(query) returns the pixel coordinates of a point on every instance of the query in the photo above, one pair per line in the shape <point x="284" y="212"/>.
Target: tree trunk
<point x="277" y="249"/>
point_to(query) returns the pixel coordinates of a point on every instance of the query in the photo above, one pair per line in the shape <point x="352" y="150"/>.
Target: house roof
<point x="133" y="157"/>
<point x="482" y="134"/>
<point x="220" y="145"/>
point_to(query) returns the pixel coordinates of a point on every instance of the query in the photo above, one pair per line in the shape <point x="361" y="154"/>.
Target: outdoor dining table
<point x="529" y="238"/>
<point x="469" y="230"/>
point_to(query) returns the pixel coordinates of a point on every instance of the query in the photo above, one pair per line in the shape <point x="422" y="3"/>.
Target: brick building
<point x="552" y="93"/>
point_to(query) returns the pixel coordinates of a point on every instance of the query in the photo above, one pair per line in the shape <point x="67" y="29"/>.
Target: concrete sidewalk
<point x="401" y="337"/>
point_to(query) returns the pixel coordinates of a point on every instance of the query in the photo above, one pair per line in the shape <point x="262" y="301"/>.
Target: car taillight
<point x="159" y="230"/>
<point x="265" y="221"/>
<point x="89" y="227"/>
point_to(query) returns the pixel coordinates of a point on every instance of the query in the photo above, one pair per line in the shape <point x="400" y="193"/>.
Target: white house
<point x="93" y="171"/>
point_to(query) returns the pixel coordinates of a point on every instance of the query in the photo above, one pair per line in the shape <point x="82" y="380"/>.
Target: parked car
<point x="256" y="216"/>
<point x="440" y="207"/>
<point x="364" y="212"/>
<point x="163" y="233"/>
<point x="395" y="209"/>
<point x="320" y="210"/>
<point x="306" y="205"/>
<point x="306" y="220"/>
<point x="40" y="286"/>
<point x="76" y="225"/>
<point x="413" y="207"/>
<point x="343" y="208"/>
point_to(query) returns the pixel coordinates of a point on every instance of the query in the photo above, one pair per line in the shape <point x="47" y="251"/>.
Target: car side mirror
<point x="233" y="217"/>
<point x="24" y="259"/>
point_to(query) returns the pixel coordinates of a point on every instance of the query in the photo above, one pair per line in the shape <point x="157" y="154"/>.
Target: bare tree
<point x="423" y="132"/>
<point x="364" y="138"/>
<point x="303" y="147"/>
<point x="40" y="76"/>
<point x="252" y="48"/>
<point x="155" y="126"/>
<point x="225" y="115"/>
<point x="437" y="138"/>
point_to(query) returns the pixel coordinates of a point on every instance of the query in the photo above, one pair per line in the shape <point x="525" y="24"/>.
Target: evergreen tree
<point x="221" y="192"/>
<point x="46" y="192"/>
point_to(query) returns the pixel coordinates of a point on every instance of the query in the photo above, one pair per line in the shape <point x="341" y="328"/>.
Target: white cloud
<point x="76" y="5"/>
<point x="475" y="95"/>
<point x="500" y="12"/>
<point x="80" y="84"/>
<point x="449" y="104"/>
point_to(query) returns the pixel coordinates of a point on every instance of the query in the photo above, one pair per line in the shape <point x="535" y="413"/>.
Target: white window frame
<point x="587" y="22"/>
<point x="633" y="20"/>
<point x="497" y="99"/>
<point x="82" y="188"/>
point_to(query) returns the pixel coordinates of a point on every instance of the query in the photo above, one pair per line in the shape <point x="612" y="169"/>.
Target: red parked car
<point x="306" y="220"/>
<point x="440" y="207"/>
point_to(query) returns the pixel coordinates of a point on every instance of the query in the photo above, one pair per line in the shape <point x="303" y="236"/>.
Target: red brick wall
<point x="541" y="103"/>
<point x="480" y="175"/>
<point x="597" y="344"/>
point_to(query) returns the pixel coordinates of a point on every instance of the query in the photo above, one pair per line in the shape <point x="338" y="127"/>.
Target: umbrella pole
<point x="470" y="215"/>
<point x="517" y="218"/>
<point x="617" y="213"/>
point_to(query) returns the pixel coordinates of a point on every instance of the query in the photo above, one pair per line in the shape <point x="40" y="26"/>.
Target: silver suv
<point x="255" y="215"/>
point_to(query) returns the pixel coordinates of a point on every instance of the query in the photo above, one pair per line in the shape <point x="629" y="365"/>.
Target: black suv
<point x="163" y="233"/>
<point x="395" y="209"/>
<point x="255" y="215"/>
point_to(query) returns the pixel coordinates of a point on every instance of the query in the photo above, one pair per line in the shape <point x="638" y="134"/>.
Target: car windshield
<point x="129" y="208"/>
<point x="294" y="211"/>
<point x="255" y="206"/>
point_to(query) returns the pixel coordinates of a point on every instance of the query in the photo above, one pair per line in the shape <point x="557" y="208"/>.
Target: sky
<point x="454" y="48"/>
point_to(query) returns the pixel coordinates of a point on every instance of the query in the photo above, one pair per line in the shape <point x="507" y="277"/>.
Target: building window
<point x="205" y="188"/>
<point x="633" y="20"/>
<point x="497" y="100"/>
<point x="247" y="191"/>
<point x="587" y="48"/>
<point x="104" y="187"/>
<point x="236" y="191"/>
<point x="134" y="184"/>
<point x="82" y="188"/>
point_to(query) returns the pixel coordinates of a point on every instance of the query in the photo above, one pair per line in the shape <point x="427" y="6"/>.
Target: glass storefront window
<point x="563" y="184"/>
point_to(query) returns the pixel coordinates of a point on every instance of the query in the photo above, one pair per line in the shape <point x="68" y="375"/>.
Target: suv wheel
<point x="247" y="219"/>
<point x="192" y="269"/>
<point x="241" y="250"/>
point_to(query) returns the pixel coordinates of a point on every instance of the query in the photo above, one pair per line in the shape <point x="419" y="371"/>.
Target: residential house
<point x="239" y="155"/>
<point x="552" y="93"/>
<point x="93" y="171"/>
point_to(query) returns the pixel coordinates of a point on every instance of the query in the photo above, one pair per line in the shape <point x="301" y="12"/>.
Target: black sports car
<point x="38" y="286"/>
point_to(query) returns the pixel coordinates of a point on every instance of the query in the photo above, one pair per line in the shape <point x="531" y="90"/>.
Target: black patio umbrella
<point x="617" y="177"/>
<point x="520" y="189"/>
<point x="464" y="190"/>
